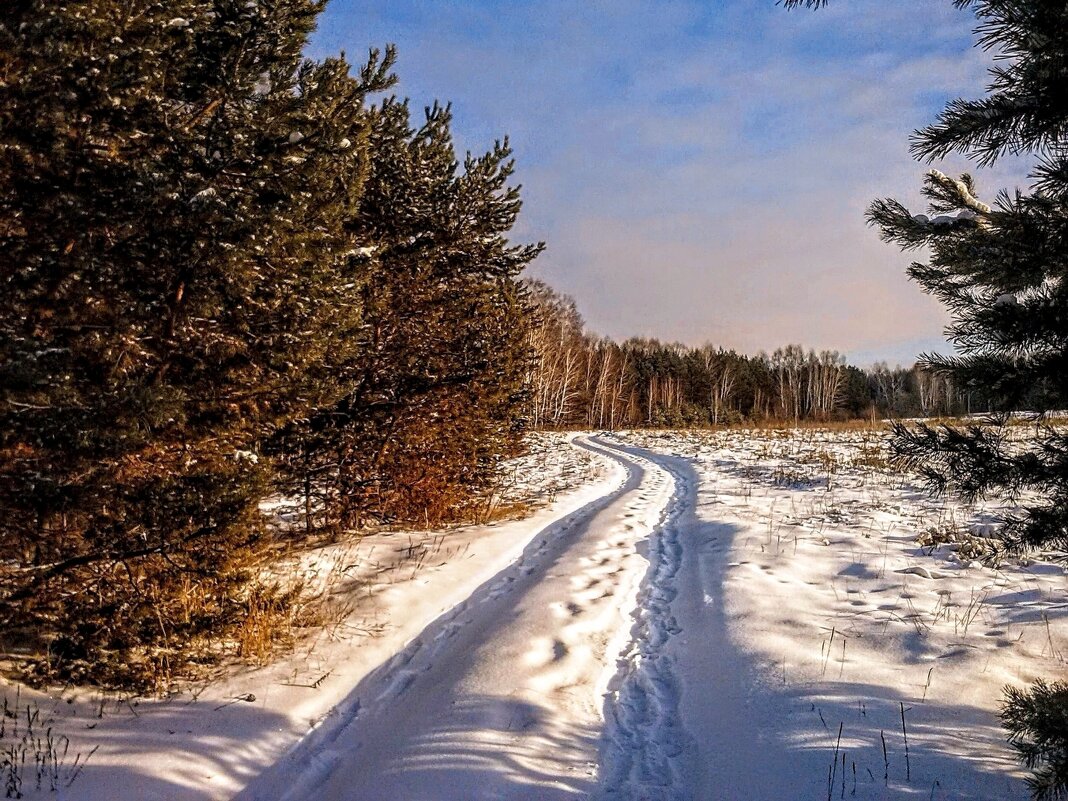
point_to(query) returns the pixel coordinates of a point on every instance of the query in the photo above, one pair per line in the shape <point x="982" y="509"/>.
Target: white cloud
<point x="701" y="173"/>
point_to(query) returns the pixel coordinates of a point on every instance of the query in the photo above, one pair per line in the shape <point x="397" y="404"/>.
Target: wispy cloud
<point x="700" y="170"/>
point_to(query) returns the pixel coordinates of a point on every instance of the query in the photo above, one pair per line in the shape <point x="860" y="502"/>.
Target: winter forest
<point x="315" y="484"/>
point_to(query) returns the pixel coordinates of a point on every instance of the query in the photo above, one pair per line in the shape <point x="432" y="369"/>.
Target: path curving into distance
<point x="644" y="745"/>
<point x="565" y="676"/>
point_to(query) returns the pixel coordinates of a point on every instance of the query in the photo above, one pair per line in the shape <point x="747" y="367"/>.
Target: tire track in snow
<point x="645" y="745"/>
<point x="451" y="708"/>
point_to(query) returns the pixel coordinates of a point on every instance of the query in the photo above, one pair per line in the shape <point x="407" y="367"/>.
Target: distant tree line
<point x="579" y="379"/>
<point x="229" y="275"/>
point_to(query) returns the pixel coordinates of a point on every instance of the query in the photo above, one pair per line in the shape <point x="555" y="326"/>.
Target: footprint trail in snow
<point x="505" y="695"/>
<point x="644" y="740"/>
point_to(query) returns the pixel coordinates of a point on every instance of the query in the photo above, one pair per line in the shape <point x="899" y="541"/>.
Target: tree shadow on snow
<point x="759" y="739"/>
<point x="206" y="750"/>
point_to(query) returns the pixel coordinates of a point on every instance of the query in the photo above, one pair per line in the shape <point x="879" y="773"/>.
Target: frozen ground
<point x="739" y="615"/>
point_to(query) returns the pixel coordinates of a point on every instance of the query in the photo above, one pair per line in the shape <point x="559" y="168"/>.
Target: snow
<point x="203" y="195"/>
<point x="835" y="618"/>
<point x="962" y="190"/>
<point x="741" y="614"/>
<point x="498" y="697"/>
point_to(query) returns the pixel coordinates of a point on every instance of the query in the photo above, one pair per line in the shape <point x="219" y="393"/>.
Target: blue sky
<point x="700" y="170"/>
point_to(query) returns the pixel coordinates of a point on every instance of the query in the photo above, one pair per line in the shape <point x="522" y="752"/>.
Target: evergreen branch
<point x="968" y="461"/>
<point x="1051" y="175"/>
<point x="962" y="191"/>
<point x="1037" y="721"/>
<point x="897" y="225"/>
<point x="983" y="130"/>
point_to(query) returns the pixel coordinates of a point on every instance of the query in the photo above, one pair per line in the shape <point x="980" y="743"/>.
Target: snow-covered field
<point x="839" y="622"/>
<point x="731" y="615"/>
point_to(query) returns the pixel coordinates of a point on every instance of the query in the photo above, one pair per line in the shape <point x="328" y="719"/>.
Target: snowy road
<point x="506" y="696"/>
<point x="701" y="617"/>
<point x="680" y="727"/>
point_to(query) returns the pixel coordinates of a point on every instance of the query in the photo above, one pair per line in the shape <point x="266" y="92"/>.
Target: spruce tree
<point x="175" y="181"/>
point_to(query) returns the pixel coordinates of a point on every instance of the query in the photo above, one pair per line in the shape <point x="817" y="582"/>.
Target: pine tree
<point x="175" y="181"/>
<point x="436" y="393"/>
<point x="1002" y="271"/>
<point x="442" y="390"/>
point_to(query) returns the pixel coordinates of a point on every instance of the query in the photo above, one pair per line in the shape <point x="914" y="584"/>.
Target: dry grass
<point x="498" y="510"/>
<point x="34" y="756"/>
<point x="872" y="456"/>
<point x="868" y="423"/>
<point x="857" y="424"/>
<point x="271" y="622"/>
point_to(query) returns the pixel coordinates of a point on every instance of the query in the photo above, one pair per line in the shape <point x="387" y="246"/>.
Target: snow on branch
<point x="963" y="192"/>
